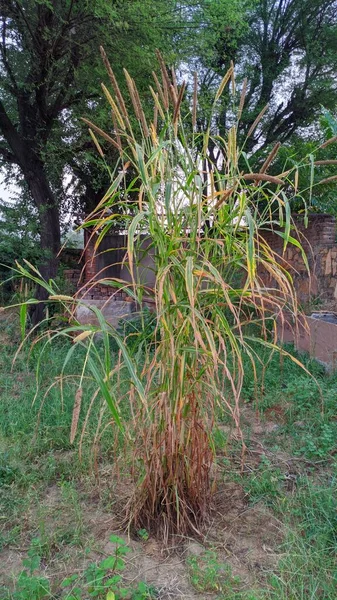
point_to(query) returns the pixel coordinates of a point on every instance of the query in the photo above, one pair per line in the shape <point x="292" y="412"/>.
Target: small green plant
<point x="102" y="578"/>
<point x="265" y="483"/>
<point x="304" y="392"/>
<point x="30" y="584"/>
<point x="143" y="534"/>
<point x="208" y="574"/>
<point x="8" y="472"/>
<point x="319" y="443"/>
<point x="102" y="581"/>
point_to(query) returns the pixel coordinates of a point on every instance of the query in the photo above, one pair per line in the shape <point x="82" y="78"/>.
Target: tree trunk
<point x="26" y="154"/>
<point x="50" y="235"/>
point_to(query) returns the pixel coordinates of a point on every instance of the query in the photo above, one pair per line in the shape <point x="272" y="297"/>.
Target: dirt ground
<point x="244" y="536"/>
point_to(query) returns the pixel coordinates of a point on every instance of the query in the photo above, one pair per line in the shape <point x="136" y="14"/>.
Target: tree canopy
<point x="51" y="70"/>
<point x="287" y="50"/>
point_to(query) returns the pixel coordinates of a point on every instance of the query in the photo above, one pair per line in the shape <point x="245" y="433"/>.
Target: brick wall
<point x="71" y="258"/>
<point x="73" y="276"/>
<point x="318" y="242"/>
<point x="90" y="258"/>
<point x="109" y="262"/>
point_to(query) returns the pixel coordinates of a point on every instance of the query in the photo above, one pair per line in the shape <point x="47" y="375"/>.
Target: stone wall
<point x="319" y="245"/>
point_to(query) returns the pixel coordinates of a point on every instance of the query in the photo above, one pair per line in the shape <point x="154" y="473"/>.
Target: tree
<point x="49" y="70"/>
<point x="288" y="51"/>
<point x="18" y="237"/>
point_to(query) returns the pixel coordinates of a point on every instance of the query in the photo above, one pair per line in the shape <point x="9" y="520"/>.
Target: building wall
<point x="317" y="240"/>
<point x="110" y="261"/>
<point x="319" y="245"/>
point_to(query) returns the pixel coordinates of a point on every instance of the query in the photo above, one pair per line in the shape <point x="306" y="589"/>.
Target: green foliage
<point x="208" y="574"/>
<point x="265" y="483"/>
<point x="307" y="403"/>
<point x="143" y="534"/>
<point x="319" y="197"/>
<point x="308" y="565"/>
<point x="304" y="564"/>
<point x="300" y="487"/>
<point x="287" y="51"/>
<point x="101" y="581"/>
<point x="18" y="240"/>
<point x="67" y="83"/>
<point x="139" y="332"/>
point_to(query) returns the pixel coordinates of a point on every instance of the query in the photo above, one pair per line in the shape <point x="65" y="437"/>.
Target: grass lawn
<point x="272" y="533"/>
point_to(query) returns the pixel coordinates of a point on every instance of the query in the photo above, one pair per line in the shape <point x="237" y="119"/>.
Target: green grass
<point x="44" y="485"/>
<point x="304" y="499"/>
<point x="36" y="462"/>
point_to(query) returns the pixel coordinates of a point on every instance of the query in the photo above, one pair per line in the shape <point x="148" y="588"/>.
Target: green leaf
<point x="109" y="563"/>
<point x="113" y="580"/>
<point x="115" y="539"/>
<point x="296" y="243"/>
<point x="105" y="392"/>
<point x="189" y="279"/>
<point x="287" y="223"/>
<point x="69" y="580"/>
<point x="23" y="319"/>
<point x="251" y="261"/>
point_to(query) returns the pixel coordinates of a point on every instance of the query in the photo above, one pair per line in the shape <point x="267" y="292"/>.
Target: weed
<point x="139" y="332"/>
<point x="101" y="581"/>
<point x="265" y="483"/>
<point x="143" y="534"/>
<point x="308" y="567"/>
<point x="208" y="574"/>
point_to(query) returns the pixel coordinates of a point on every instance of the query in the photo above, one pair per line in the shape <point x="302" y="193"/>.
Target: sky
<point x="7" y="192"/>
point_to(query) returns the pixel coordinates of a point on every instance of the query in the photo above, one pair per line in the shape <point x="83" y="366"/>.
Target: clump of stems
<point x="204" y="223"/>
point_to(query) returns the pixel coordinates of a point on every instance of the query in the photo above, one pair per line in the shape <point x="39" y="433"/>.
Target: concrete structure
<point x="112" y="310"/>
<point x="316" y="335"/>
<point x="109" y="262"/>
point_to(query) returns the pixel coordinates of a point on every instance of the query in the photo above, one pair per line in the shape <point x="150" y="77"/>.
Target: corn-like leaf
<point x="189" y="279"/>
<point x="296" y="243"/>
<point x="110" y="400"/>
<point x="23" y="319"/>
<point x="287" y="223"/>
<point x="251" y="261"/>
<point x="76" y="414"/>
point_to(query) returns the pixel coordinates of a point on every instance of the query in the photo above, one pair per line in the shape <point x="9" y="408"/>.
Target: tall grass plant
<point x="204" y="222"/>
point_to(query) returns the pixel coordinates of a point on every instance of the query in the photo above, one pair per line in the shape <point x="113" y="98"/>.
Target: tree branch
<point x="5" y="60"/>
<point x="7" y="156"/>
<point x="12" y="137"/>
